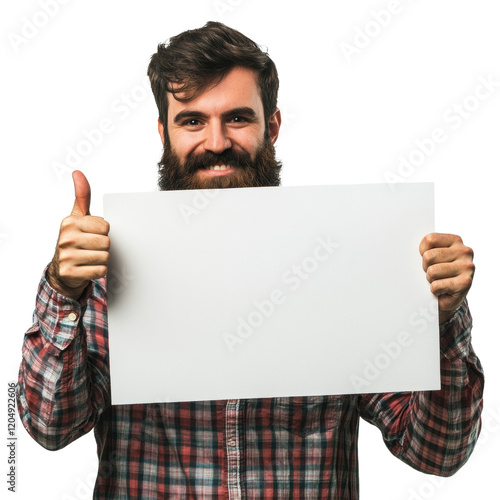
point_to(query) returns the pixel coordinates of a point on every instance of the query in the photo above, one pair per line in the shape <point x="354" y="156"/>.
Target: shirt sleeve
<point x="436" y="431"/>
<point x="64" y="375"/>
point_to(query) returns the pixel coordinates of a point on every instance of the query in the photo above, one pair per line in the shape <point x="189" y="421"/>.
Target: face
<point x="220" y="138"/>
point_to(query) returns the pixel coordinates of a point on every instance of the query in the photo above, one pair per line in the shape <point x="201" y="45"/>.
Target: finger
<point x="89" y="224"/>
<point x="455" y="253"/>
<point x="437" y="240"/>
<point x="458" y="285"/>
<point x="443" y="271"/>
<point x="83" y="273"/>
<point x="94" y="225"/>
<point x="82" y="194"/>
<point x="70" y="260"/>
<point x="84" y="241"/>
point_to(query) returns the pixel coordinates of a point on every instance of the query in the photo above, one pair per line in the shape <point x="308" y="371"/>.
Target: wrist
<point x="73" y="293"/>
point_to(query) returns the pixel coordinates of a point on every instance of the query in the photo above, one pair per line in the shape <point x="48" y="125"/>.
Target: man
<point x="216" y="93"/>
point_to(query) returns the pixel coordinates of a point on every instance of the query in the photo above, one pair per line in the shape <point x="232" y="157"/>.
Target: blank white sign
<point x="267" y="292"/>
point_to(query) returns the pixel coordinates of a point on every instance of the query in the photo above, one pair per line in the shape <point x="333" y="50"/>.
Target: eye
<point x="193" y="122"/>
<point x="239" y="119"/>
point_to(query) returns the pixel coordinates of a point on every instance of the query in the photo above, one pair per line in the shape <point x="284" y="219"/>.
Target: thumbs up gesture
<point x="82" y="250"/>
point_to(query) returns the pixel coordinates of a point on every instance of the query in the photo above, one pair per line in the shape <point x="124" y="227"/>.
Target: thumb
<point x="82" y="194"/>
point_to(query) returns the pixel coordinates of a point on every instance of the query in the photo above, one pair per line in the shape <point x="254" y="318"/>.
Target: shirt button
<point x="72" y="316"/>
<point x="231" y="442"/>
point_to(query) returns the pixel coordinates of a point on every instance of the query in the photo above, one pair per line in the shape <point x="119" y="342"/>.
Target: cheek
<point x="183" y="144"/>
<point x="249" y="142"/>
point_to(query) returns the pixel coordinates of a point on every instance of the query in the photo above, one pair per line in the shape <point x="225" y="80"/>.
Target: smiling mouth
<point x="218" y="169"/>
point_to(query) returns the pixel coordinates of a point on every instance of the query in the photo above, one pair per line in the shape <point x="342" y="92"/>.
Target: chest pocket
<point x="304" y="415"/>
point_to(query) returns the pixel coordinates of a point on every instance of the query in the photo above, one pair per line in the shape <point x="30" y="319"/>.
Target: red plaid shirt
<point x="303" y="447"/>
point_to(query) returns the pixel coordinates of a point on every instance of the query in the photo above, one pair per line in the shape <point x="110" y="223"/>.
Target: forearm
<point x="435" y="431"/>
<point x="62" y="387"/>
<point x="442" y="426"/>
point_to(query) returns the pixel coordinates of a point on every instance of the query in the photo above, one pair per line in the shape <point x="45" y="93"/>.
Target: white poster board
<point x="264" y="292"/>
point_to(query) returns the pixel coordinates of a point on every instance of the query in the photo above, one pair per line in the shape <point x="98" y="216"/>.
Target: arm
<point x="435" y="431"/>
<point x="64" y="375"/>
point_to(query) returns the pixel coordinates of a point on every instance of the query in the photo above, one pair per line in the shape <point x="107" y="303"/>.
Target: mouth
<point x="218" y="169"/>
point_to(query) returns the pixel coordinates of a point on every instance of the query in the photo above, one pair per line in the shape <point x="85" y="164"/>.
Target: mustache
<point x="228" y="157"/>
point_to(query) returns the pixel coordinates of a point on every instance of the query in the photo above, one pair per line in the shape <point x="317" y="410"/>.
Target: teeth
<point x="218" y="167"/>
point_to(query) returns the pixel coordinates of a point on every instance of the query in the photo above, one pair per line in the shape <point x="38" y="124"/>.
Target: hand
<point x="449" y="269"/>
<point x="82" y="250"/>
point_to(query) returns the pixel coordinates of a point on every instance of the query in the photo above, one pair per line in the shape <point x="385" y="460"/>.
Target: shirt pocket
<point x="305" y="415"/>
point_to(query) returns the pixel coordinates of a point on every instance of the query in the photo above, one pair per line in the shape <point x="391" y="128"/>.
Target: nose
<point x="216" y="139"/>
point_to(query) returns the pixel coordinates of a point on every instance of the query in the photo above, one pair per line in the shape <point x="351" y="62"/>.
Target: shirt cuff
<point x="455" y="334"/>
<point x="58" y="316"/>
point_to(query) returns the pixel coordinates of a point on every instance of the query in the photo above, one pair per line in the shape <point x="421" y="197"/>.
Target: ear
<point x="274" y="125"/>
<point x="160" y="131"/>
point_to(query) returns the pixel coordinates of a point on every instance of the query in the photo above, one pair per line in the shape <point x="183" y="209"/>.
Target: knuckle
<point x="105" y="257"/>
<point x="428" y="239"/>
<point x="431" y="272"/>
<point x="466" y="282"/>
<point x="69" y="222"/>
<point x="65" y="257"/>
<point x="469" y="252"/>
<point x="66" y="241"/>
<point x="100" y="272"/>
<point x="428" y="258"/>
<point x="471" y="268"/>
<point x="107" y="243"/>
<point x="65" y="270"/>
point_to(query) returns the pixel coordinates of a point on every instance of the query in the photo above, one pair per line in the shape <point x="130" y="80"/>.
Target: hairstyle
<point x="196" y="59"/>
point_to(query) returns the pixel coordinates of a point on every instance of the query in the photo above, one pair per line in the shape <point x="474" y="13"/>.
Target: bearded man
<point x="216" y="92"/>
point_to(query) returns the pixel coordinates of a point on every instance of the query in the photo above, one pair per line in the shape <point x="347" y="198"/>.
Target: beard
<point x="264" y="170"/>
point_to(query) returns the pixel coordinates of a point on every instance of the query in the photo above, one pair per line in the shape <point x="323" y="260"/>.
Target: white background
<point x="345" y="122"/>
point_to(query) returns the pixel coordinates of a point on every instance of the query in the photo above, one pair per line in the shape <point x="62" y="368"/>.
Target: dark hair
<point x="195" y="59"/>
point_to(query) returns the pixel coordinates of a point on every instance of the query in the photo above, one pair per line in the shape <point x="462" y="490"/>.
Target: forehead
<point x="239" y="88"/>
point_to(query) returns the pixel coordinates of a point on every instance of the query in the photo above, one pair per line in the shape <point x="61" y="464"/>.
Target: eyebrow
<point x="243" y="110"/>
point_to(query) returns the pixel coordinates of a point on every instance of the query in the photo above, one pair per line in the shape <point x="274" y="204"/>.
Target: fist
<point x="449" y="269"/>
<point x="82" y="250"/>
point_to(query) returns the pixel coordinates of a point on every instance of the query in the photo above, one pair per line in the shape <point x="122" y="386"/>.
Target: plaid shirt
<point x="300" y="447"/>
